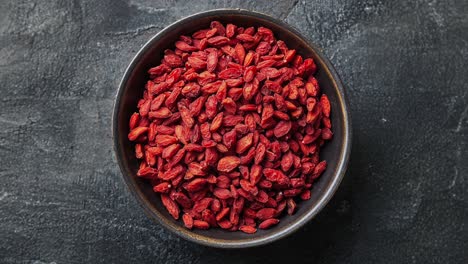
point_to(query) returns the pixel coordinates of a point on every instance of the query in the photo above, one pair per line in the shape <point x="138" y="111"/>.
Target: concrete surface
<point x="404" y="200"/>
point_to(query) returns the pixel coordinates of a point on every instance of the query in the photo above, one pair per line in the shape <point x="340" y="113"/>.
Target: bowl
<point x="336" y="152"/>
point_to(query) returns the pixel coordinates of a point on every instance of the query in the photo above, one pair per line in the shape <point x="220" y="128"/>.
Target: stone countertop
<point x="404" y="198"/>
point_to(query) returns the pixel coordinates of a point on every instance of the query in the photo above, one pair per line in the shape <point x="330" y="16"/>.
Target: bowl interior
<point x="131" y="90"/>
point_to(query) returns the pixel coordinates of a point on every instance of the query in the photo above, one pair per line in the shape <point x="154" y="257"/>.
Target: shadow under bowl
<point x="336" y="152"/>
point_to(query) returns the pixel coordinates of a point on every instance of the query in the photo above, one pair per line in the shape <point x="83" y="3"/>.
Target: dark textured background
<point x="404" y="198"/>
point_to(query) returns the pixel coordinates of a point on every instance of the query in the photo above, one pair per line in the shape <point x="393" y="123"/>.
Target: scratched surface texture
<point x="404" y="199"/>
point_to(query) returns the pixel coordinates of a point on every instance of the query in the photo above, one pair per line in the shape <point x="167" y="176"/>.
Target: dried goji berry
<point x="268" y="223"/>
<point x="228" y="163"/>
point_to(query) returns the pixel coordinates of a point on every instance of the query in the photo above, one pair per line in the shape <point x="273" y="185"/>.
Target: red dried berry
<point x="248" y="229"/>
<point x="228" y="163"/>
<point x="268" y="223"/>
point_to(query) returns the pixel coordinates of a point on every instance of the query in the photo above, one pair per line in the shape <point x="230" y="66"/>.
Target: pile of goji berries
<point x="230" y="127"/>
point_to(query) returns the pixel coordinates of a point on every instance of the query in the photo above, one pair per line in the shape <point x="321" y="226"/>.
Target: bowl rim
<point x="300" y="222"/>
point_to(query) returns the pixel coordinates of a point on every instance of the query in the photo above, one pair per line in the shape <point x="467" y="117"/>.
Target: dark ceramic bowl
<point x="131" y="88"/>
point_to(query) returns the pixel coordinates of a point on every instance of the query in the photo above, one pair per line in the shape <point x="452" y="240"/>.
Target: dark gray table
<point x="404" y="199"/>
